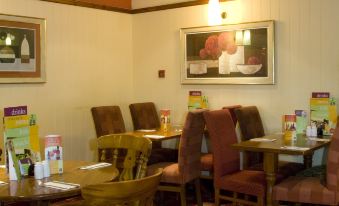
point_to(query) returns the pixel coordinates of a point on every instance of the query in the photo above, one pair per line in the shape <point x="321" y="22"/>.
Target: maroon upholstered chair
<point x="227" y="175"/>
<point x="251" y="127"/>
<point x="207" y="158"/>
<point x="310" y="189"/>
<point x="177" y="174"/>
<point x="145" y="116"/>
<point x="108" y="120"/>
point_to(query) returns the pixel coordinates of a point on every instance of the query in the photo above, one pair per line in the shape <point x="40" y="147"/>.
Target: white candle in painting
<point x="24" y="50"/>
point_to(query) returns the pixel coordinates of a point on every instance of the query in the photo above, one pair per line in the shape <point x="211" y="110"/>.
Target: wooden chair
<point x="177" y="174"/>
<point x="251" y="127"/>
<point x="227" y="175"/>
<point x="130" y="154"/>
<point x="145" y="116"/>
<point x="133" y="192"/>
<point x="311" y="190"/>
<point x="207" y="158"/>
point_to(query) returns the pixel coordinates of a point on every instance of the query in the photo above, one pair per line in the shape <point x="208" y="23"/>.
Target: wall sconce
<point x="243" y="37"/>
<point x="215" y="15"/>
<point x="8" y="39"/>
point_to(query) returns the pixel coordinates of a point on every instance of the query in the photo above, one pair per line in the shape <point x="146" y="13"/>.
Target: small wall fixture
<point x="215" y="15"/>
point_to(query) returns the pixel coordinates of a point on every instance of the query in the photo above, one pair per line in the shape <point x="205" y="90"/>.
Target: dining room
<point x="96" y="55"/>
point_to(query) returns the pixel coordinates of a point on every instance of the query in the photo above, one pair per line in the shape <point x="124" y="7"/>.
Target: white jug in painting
<point x="24" y="50"/>
<point x="237" y="58"/>
<point x="224" y="60"/>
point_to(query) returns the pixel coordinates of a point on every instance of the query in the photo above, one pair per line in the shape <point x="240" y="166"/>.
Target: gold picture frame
<point x="22" y="49"/>
<point x="228" y="54"/>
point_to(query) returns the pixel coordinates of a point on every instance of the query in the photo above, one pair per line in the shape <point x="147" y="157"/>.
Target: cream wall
<point x="306" y="57"/>
<point x="88" y="63"/>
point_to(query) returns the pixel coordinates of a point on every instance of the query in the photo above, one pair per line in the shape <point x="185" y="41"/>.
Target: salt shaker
<point x="308" y="131"/>
<point x="314" y="132"/>
<point x="45" y="164"/>
<point x="38" y="171"/>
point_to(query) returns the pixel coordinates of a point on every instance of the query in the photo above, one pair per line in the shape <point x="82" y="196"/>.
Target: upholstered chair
<point x="251" y="126"/>
<point x="108" y="120"/>
<point x="177" y="174"/>
<point x="207" y="158"/>
<point x="145" y="116"/>
<point x="227" y="175"/>
<point x="313" y="190"/>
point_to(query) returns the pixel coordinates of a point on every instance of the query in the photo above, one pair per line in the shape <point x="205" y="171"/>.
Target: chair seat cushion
<point x="163" y="155"/>
<point x="246" y="181"/>
<point x="206" y="162"/>
<point x="285" y="169"/>
<point x="170" y="173"/>
<point x="305" y="190"/>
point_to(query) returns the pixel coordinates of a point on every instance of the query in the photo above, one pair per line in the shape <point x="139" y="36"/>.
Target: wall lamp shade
<point x="214" y="13"/>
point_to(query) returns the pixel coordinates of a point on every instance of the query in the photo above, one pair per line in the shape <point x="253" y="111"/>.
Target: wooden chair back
<point x="133" y="192"/>
<point x="108" y="120"/>
<point x="129" y="154"/>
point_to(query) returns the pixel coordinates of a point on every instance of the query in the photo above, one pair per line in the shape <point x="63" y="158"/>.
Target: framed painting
<point x="228" y="54"/>
<point x="22" y="49"/>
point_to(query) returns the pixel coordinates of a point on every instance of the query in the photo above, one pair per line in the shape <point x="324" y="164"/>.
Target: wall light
<point x="215" y="15"/>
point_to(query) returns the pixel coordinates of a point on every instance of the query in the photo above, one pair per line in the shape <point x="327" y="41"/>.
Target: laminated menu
<point x="197" y="101"/>
<point x="165" y="119"/>
<point x="323" y="114"/>
<point x="53" y="153"/>
<point x="22" y="131"/>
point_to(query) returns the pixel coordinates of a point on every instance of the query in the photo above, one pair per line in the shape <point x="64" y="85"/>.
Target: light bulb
<point x="247" y="37"/>
<point x="214" y="15"/>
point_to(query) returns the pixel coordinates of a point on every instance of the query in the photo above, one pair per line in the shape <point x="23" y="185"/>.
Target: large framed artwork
<point x="22" y="49"/>
<point x="228" y="54"/>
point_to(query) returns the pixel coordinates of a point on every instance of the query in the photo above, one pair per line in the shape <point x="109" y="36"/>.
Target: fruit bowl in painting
<point x="249" y="68"/>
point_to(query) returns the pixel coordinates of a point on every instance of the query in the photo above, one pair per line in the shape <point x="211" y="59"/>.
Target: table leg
<point x="308" y="160"/>
<point x="270" y="168"/>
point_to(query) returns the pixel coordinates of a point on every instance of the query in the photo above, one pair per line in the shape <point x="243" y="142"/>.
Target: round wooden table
<point x="30" y="190"/>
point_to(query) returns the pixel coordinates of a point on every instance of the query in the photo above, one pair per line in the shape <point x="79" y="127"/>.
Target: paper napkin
<point x="146" y="130"/>
<point x="262" y="140"/>
<point x="318" y="139"/>
<point x="295" y="148"/>
<point x="61" y="185"/>
<point x="96" y="166"/>
<point x="154" y="136"/>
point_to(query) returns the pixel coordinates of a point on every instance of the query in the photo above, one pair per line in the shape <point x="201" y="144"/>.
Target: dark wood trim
<point x="133" y="11"/>
<point x="90" y="5"/>
<point x="171" y="6"/>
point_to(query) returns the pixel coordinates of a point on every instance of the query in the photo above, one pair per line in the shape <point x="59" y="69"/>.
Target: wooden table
<point x="30" y="190"/>
<point x="165" y="135"/>
<point x="272" y="149"/>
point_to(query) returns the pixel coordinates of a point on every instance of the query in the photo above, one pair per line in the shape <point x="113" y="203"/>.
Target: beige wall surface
<point x="88" y="63"/>
<point x="306" y="57"/>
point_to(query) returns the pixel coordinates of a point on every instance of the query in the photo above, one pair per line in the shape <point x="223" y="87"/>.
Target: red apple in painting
<point x="224" y="39"/>
<point x="253" y="60"/>
<point x="203" y="53"/>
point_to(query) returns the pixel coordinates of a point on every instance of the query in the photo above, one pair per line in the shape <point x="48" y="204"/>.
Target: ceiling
<point x="132" y="6"/>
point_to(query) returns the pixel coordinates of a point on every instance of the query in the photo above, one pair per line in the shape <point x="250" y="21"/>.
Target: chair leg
<point x="261" y="201"/>
<point x="197" y="191"/>
<point x="216" y="196"/>
<point x="183" y="195"/>
<point x="275" y="203"/>
<point x="235" y="196"/>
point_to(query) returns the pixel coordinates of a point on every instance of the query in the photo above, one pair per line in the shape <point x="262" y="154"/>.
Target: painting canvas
<point x="228" y="54"/>
<point x="22" y="45"/>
